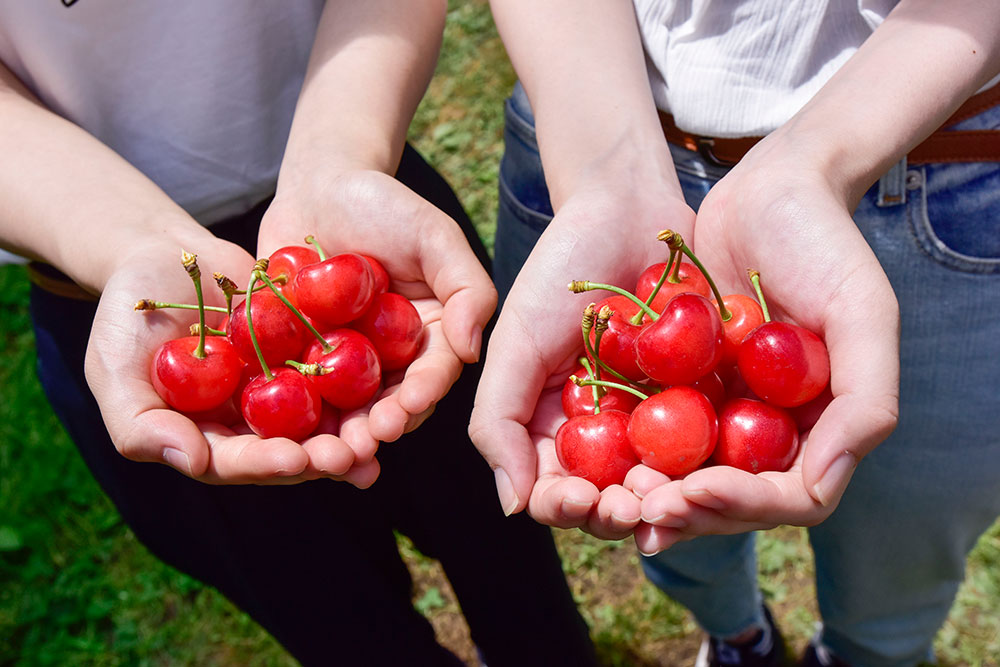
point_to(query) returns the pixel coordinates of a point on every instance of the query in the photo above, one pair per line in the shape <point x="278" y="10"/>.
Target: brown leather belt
<point x="943" y="146"/>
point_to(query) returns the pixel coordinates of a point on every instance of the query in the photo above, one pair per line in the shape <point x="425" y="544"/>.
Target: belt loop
<point x="892" y="186"/>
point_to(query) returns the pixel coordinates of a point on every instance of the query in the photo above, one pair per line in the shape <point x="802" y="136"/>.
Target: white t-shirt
<point x="197" y="94"/>
<point x="732" y="68"/>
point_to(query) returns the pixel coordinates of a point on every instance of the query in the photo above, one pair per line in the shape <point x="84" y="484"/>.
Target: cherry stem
<point x="194" y="329"/>
<point x="267" y="281"/>
<point x="311" y="240"/>
<point x="580" y="382"/>
<point x="600" y="362"/>
<point x="253" y="335"/>
<point x="755" y="279"/>
<point x="190" y="262"/>
<point x="597" y="391"/>
<point x="309" y="369"/>
<point x="674" y="240"/>
<point x="149" y="304"/>
<point x="578" y="286"/>
<point x="637" y="318"/>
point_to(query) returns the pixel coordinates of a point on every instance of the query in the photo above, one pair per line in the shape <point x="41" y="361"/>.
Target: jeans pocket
<point x="956" y="218"/>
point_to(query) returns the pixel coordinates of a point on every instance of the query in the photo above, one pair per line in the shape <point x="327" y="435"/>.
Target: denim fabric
<point x="890" y="559"/>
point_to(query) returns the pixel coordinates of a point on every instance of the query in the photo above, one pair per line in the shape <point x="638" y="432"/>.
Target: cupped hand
<point x="429" y="261"/>
<point x="142" y="426"/>
<point x="603" y="235"/>
<point x="775" y="213"/>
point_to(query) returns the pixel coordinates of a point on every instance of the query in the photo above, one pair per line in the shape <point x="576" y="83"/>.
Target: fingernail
<point x="668" y="521"/>
<point x="571" y="509"/>
<point x="649" y="554"/>
<point x="505" y="490"/>
<point x="623" y="520"/>
<point x="476" y="342"/>
<point x="830" y="487"/>
<point x="177" y="459"/>
<point x="704" y="498"/>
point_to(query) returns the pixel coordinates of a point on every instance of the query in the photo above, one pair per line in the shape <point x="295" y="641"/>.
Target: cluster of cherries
<point x="311" y="339"/>
<point x="676" y="376"/>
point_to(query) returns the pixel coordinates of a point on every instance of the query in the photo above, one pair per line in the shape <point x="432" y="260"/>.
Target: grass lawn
<point x="77" y="588"/>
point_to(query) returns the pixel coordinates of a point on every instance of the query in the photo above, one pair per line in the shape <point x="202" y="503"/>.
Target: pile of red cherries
<point x="677" y="376"/>
<point x="311" y="339"/>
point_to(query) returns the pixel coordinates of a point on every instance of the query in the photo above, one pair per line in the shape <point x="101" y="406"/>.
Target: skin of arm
<point x="370" y="66"/>
<point x="786" y="209"/>
<point x="613" y="187"/>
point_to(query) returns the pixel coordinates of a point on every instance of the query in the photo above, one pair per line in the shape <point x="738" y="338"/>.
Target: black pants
<point x="316" y="564"/>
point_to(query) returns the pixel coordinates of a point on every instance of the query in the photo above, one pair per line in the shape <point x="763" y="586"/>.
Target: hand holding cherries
<point x="711" y="382"/>
<point x="309" y="341"/>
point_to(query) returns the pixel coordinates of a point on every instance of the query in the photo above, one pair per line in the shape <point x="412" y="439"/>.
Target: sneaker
<point x="766" y="649"/>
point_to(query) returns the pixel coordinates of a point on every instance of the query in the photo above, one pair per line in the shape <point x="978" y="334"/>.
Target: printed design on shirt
<point x="68" y="3"/>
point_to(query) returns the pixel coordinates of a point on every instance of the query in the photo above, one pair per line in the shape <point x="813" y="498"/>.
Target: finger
<point x="458" y="281"/>
<point x="362" y="475"/>
<point x="355" y="432"/>
<point x="248" y="459"/>
<point x="329" y="456"/>
<point x="563" y="502"/>
<point x="641" y="479"/>
<point x="616" y="516"/>
<point x="766" y="499"/>
<point x="651" y="540"/>
<point x="431" y="374"/>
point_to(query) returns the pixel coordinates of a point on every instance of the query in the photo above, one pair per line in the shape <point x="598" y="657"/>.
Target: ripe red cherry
<point x="394" y="326"/>
<point x="715" y="391"/>
<point x="596" y="447"/>
<point x="746" y="316"/>
<point x="577" y="400"/>
<point x="379" y="275"/>
<point x="784" y="364"/>
<point x="189" y="384"/>
<point x="336" y="290"/>
<point x="684" y="344"/>
<point x="280" y="334"/>
<point x="354" y="372"/>
<point x="755" y="436"/>
<point x="286" y="406"/>
<point x="691" y="280"/>
<point x="287" y="262"/>
<point x="618" y="341"/>
<point x="674" y="431"/>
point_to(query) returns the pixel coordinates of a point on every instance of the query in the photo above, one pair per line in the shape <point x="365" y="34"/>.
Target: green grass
<point x="76" y="588"/>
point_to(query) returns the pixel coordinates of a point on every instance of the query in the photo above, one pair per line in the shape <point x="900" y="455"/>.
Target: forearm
<point x="903" y="83"/>
<point x="67" y="199"/>
<point x="369" y="68"/>
<point x="582" y="66"/>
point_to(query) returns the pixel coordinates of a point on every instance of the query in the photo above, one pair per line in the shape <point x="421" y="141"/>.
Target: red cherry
<point x="684" y="344"/>
<point x="746" y="316"/>
<point x="395" y="327"/>
<point x="674" y="431"/>
<point x="189" y="384"/>
<point x="335" y="291"/>
<point x="287" y="262"/>
<point x="577" y="400"/>
<point x="354" y="369"/>
<point x="691" y="280"/>
<point x="618" y="341"/>
<point x="755" y="436"/>
<point x="286" y="406"/>
<point x="784" y="364"/>
<point x="379" y="275"/>
<point x="596" y="447"/>
<point x="711" y="385"/>
<point x="280" y="334"/>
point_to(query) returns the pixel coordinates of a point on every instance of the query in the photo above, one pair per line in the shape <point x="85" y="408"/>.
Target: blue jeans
<point x="890" y="559"/>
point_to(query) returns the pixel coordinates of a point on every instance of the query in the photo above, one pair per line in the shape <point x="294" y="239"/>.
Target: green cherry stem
<point x="267" y="281"/>
<point x="254" y="277"/>
<point x="190" y="262"/>
<point x="578" y="286"/>
<point x="308" y="369"/>
<point x="194" y="330"/>
<point x="755" y="279"/>
<point x="597" y="391"/>
<point x="311" y="240"/>
<point x="674" y="240"/>
<point x="580" y="382"/>
<point x="149" y="304"/>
